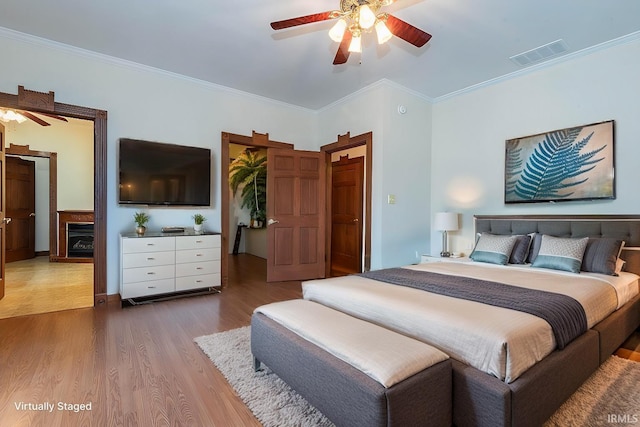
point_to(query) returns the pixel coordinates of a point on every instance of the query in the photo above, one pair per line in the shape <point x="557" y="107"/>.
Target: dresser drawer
<point x="195" y="242"/>
<point x="148" y="244"/>
<point x="141" y="289"/>
<point x="197" y="255"/>
<point x="196" y="282"/>
<point x="142" y="274"/>
<point x="148" y="259"/>
<point x="197" y="268"/>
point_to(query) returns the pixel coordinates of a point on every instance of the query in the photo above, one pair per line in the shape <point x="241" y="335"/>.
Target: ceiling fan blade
<point x="308" y="19"/>
<point x="54" y="116"/>
<point x="407" y="32"/>
<point x="38" y="120"/>
<point x="343" y="50"/>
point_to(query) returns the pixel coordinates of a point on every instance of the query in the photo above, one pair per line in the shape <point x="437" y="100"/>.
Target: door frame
<point x="24" y="150"/>
<point x="45" y="103"/>
<point x="346" y="142"/>
<point x="260" y="140"/>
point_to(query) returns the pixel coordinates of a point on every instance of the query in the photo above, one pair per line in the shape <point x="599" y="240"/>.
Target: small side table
<point x="425" y="258"/>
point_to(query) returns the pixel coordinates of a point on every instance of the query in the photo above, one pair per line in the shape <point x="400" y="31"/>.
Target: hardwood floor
<point x="136" y="366"/>
<point x="38" y="286"/>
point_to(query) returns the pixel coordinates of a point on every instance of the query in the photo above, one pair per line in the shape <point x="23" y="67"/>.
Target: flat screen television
<point x="154" y="173"/>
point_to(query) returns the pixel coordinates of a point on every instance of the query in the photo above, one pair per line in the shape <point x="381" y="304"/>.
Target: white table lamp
<point x="445" y="221"/>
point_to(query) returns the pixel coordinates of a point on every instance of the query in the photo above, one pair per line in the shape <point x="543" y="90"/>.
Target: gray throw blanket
<point x="565" y="315"/>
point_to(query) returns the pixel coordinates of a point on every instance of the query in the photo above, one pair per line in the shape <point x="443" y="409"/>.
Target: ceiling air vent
<point x="541" y="53"/>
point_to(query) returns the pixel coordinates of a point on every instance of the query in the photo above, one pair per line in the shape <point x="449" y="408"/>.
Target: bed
<point x="508" y="369"/>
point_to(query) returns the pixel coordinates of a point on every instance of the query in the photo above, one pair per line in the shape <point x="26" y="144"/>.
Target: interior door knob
<point x="6" y="220"/>
<point x="32" y="214"/>
<point x="272" y="221"/>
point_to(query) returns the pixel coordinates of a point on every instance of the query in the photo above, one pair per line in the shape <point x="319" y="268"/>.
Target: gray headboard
<point x="625" y="227"/>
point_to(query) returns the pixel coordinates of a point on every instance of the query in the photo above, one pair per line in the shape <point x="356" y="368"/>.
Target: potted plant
<point x="141" y="219"/>
<point x="198" y="222"/>
<point x="249" y="171"/>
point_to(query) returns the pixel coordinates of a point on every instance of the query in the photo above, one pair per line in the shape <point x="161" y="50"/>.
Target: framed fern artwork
<point x="568" y="164"/>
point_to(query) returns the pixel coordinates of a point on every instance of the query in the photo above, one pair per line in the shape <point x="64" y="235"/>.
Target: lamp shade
<point x="446" y="221"/>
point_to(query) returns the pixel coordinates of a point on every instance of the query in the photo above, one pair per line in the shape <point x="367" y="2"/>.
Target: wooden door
<point x="20" y="202"/>
<point x="295" y="215"/>
<point x="2" y="217"/>
<point x="347" y="176"/>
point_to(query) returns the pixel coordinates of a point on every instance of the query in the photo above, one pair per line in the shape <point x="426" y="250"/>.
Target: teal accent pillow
<point x="493" y="248"/>
<point x="560" y="253"/>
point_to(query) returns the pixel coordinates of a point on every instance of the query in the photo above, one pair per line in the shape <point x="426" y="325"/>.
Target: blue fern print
<point x="513" y="166"/>
<point x="554" y="165"/>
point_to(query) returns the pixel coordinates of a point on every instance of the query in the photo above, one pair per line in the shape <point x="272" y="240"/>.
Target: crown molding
<point x="629" y="38"/>
<point x="112" y="60"/>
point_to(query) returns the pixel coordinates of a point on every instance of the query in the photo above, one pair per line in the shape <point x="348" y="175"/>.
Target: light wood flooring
<point x="37" y="286"/>
<point x="136" y="366"/>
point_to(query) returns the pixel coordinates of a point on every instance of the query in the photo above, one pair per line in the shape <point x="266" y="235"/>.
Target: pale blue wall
<point x="448" y="155"/>
<point x="469" y="133"/>
<point x="147" y="104"/>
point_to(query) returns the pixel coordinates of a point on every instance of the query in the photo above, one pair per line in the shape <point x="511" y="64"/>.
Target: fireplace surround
<point x="75" y="236"/>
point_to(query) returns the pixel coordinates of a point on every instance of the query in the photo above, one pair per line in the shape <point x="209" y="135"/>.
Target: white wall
<point x="469" y="133"/>
<point x="464" y="135"/>
<point x="401" y="166"/>
<point x="146" y="104"/>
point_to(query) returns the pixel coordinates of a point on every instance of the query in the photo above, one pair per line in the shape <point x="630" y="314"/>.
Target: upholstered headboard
<point x="625" y="227"/>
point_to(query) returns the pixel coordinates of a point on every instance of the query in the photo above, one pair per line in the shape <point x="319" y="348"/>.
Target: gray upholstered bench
<point x="356" y="373"/>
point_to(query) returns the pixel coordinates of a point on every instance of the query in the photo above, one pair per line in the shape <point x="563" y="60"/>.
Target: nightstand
<point x="425" y="258"/>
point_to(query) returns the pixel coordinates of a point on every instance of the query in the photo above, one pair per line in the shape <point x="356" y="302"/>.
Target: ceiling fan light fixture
<point x="356" y="43"/>
<point x="337" y="31"/>
<point x="366" y="17"/>
<point x="382" y="32"/>
<point x="10" y="115"/>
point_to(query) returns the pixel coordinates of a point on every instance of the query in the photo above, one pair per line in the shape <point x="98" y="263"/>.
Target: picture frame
<point x="576" y="163"/>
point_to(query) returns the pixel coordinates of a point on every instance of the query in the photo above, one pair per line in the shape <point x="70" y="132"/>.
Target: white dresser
<point x="158" y="263"/>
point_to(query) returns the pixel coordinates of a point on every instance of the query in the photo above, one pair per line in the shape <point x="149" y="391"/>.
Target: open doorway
<point x="231" y="144"/>
<point x="35" y="280"/>
<point x="44" y="104"/>
<point x="345" y="142"/>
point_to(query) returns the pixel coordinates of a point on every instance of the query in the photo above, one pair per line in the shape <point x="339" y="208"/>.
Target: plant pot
<point x="198" y="228"/>
<point x="140" y="230"/>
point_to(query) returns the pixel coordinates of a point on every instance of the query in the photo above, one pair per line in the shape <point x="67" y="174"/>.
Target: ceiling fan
<point x="11" y="114"/>
<point x="356" y="17"/>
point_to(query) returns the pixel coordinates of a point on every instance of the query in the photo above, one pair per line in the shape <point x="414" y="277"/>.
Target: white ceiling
<point x="231" y="43"/>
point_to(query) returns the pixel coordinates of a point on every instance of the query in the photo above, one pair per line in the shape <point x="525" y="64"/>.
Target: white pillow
<point x="560" y="253"/>
<point x="493" y="248"/>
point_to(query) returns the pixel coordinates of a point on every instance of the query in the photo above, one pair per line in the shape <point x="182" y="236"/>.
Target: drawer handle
<point x="198" y="268"/>
<point x="150" y="259"/>
<point x="151" y="287"/>
<point x="198" y="254"/>
<point x="151" y="273"/>
<point x="198" y="281"/>
<point x="150" y="244"/>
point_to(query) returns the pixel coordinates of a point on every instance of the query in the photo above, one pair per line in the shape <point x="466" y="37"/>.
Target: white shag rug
<point x="610" y="397"/>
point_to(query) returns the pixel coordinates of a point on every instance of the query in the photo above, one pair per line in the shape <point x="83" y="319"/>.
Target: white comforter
<point x="499" y="341"/>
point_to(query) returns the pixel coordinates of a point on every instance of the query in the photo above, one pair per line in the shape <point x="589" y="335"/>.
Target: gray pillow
<point x="534" y="247"/>
<point x="493" y="248"/>
<point x="520" y="250"/>
<point x="560" y="253"/>
<point x="601" y="255"/>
